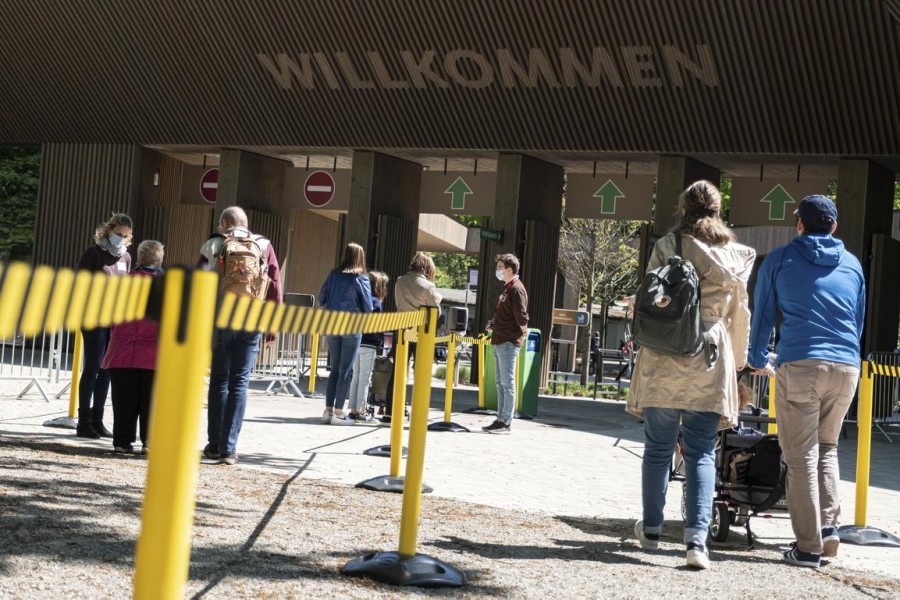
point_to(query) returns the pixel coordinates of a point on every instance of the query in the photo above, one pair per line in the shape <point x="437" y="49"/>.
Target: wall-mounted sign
<point x="605" y="196"/>
<point x="495" y="235"/>
<point x="770" y="201"/>
<point x="562" y="316"/>
<point x="209" y="185"/>
<point x="325" y="189"/>
<point x="457" y="193"/>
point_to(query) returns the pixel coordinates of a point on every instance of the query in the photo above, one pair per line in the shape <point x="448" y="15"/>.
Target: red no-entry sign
<point x="209" y="185"/>
<point x="319" y="188"/>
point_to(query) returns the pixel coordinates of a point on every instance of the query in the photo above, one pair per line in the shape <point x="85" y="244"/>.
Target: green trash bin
<point x="528" y="376"/>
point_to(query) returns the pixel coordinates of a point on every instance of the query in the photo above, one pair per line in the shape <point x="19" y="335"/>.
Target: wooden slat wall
<point x="309" y="256"/>
<point x="541" y="240"/>
<point x="395" y="246"/>
<point x="81" y="185"/>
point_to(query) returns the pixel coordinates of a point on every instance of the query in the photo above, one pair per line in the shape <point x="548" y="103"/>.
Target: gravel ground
<point x="69" y="518"/>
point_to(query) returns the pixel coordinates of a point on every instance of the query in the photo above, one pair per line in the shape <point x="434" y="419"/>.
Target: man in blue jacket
<point x="820" y="291"/>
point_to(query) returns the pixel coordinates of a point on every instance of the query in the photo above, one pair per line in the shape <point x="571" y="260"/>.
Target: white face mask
<point x="116" y="240"/>
<point x="500" y="274"/>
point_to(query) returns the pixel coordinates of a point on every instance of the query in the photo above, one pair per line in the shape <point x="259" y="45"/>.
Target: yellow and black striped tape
<point x="45" y="299"/>
<point x="887" y="370"/>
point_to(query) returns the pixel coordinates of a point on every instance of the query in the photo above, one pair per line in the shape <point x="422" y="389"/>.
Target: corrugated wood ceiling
<point x="725" y="79"/>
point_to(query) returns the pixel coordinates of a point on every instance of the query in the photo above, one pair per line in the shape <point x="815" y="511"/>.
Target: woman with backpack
<point x="696" y="393"/>
<point x="346" y="289"/>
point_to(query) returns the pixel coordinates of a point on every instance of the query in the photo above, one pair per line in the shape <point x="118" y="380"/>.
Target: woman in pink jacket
<point x="131" y="360"/>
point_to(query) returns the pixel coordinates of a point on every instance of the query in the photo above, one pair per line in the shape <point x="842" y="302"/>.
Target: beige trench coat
<point x="668" y="381"/>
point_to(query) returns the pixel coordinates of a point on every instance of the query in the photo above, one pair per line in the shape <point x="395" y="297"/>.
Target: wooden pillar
<point x="865" y="200"/>
<point x="384" y="212"/>
<point x="256" y="184"/>
<point x="528" y="203"/>
<point x="675" y="174"/>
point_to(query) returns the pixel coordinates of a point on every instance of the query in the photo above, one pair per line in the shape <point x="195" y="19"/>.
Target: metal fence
<point x="283" y="363"/>
<point x="43" y="360"/>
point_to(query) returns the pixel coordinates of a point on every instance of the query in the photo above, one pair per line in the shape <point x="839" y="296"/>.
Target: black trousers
<point x="94" y="381"/>
<point x="389" y="396"/>
<point x="132" y="391"/>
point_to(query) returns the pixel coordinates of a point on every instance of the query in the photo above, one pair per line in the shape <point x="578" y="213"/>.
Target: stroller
<point x="750" y="477"/>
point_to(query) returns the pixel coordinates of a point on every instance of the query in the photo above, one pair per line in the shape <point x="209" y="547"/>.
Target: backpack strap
<point x="678" y="245"/>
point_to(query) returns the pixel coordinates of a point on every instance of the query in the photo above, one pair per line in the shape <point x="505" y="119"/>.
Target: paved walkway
<point x="579" y="458"/>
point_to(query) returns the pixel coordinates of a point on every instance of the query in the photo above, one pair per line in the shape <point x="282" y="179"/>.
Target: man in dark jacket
<point x="509" y="325"/>
<point x="819" y="289"/>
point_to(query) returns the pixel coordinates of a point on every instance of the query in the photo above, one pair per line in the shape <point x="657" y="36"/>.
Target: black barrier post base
<point x="420" y="570"/>
<point x="384" y="450"/>
<point x="447" y="426"/>
<point x="62" y="422"/>
<point x="386" y="483"/>
<point x="867" y="536"/>
<point x="481" y="411"/>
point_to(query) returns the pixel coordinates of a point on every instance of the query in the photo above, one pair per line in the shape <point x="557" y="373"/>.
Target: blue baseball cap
<point x="817" y="211"/>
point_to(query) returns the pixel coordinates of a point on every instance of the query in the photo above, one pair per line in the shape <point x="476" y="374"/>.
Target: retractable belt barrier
<point x="187" y="304"/>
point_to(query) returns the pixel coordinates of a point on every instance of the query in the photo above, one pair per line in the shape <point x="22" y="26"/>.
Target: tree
<point x="600" y="258"/>
<point x="19" y="170"/>
<point x="452" y="270"/>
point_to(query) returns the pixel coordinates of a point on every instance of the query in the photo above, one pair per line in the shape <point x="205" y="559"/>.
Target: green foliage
<point x="452" y="270"/>
<point x="464" y="371"/>
<point x="19" y="170"/>
<point x="575" y="390"/>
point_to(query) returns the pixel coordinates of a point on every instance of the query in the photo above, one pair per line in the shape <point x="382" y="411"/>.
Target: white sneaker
<point x="326" y="417"/>
<point x="342" y="420"/>
<point x="697" y="556"/>
<point x="649" y="541"/>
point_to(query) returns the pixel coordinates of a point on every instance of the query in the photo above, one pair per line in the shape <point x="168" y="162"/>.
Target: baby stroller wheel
<point x="720" y="522"/>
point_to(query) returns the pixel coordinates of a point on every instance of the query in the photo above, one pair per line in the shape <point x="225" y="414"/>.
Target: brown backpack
<point x="243" y="269"/>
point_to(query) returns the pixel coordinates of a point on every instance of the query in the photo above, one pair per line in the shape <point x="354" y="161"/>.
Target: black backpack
<point x="667" y="310"/>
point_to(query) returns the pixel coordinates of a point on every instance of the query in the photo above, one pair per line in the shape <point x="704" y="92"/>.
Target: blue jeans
<point x="699" y="433"/>
<point x="229" y="378"/>
<point x="505" y="372"/>
<point x="343" y="349"/>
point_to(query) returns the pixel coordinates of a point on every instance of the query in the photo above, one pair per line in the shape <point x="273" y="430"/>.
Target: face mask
<point x="116" y="240"/>
<point x="500" y="274"/>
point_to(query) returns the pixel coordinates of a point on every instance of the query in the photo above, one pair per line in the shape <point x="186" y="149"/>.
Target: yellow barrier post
<point x="405" y="567"/>
<point x="864" y="444"/>
<point x="185" y="354"/>
<point x="447" y="424"/>
<point x="772" y="427"/>
<point x="398" y="407"/>
<point x="76" y="374"/>
<point x="313" y="363"/>
<point x="482" y="345"/>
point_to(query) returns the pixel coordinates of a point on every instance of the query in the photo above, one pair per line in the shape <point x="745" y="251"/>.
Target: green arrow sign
<point x="777" y="198"/>
<point x="458" y="191"/>
<point x="608" y="193"/>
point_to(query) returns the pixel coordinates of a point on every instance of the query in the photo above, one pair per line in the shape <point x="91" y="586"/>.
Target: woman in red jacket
<point x="131" y="361"/>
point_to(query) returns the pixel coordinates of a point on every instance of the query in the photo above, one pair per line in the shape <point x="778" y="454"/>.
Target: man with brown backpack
<point x="247" y="266"/>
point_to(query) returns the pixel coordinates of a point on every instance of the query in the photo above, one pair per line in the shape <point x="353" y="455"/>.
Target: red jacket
<point x="132" y="345"/>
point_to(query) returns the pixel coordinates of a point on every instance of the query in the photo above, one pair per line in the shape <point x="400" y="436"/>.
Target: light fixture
<point x="156" y="178"/>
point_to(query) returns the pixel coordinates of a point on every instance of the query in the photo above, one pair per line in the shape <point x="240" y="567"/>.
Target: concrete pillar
<point x="865" y="201"/>
<point x="384" y="200"/>
<point x="529" y="199"/>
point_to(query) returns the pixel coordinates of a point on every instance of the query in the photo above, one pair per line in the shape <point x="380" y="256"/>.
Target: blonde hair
<point x="354" y="260"/>
<point x="115" y="220"/>
<point x="422" y="263"/>
<point x="150" y="253"/>
<point x="379" y="284"/>
<point x="700" y="204"/>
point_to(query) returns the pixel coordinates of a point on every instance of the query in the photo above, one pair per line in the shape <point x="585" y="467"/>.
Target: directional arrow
<point x="608" y="193"/>
<point x="458" y="191"/>
<point x="777" y="198"/>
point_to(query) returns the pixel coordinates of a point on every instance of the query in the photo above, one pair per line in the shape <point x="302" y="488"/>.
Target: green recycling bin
<point x="528" y="376"/>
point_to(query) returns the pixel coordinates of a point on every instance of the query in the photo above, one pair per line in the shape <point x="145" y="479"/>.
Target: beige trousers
<point x="811" y="399"/>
